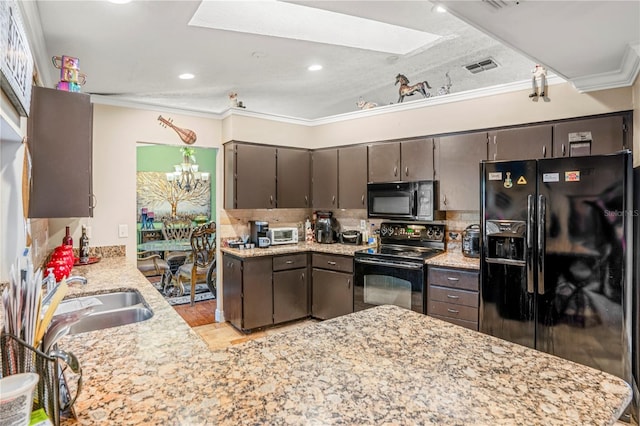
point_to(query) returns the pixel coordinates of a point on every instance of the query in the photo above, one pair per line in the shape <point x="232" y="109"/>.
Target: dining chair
<point x="202" y="265"/>
<point x="177" y="228"/>
<point x="151" y="264"/>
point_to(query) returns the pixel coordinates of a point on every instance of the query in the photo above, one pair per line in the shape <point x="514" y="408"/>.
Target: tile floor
<point x="201" y="317"/>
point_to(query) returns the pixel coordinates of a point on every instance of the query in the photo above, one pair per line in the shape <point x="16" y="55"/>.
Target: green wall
<point x="162" y="158"/>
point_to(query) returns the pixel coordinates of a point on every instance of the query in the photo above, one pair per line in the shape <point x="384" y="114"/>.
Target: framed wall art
<point x="16" y="61"/>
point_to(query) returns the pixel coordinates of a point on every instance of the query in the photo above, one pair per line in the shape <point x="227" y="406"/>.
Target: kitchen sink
<point x="115" y="309"/>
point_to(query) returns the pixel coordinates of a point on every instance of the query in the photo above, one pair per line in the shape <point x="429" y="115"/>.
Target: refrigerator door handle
<point x="530" y="248"/>
<point x="542" y="212"/>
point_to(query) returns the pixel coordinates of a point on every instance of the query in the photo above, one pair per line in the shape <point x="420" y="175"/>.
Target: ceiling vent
<point x="483" y="65"/>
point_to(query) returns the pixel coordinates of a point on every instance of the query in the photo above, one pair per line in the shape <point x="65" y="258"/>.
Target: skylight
<point x="298" y="22"/>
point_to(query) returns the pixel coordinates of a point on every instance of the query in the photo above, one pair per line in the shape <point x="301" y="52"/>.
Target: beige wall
<point x="267" y="130"/>
<point x="116" y="131"/>
<point x="484" y="112"/>
<point x="429" y="118"/>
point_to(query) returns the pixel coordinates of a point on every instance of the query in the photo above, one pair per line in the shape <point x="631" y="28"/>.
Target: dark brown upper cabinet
<point x="592" y="136"/>
<point x="408" y="160"/>
<point x="522" y="143"/>
<point x="293" y="178"/>
<point x="457" y="170"/>
<point x="250" y="176"/>
<point x="325" y="178"/>
<point x="352" y="177"/>
<point x="60" y="140"/>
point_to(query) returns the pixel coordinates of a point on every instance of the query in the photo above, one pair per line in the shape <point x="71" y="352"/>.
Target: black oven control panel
<point x="404" y="232"/>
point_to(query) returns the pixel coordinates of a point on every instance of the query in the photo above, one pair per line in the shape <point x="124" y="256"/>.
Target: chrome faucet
<point x="76" y="278"/>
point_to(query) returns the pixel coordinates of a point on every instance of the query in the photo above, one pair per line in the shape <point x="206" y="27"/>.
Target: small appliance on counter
<point x="285" y="235"/>
<point x="351" y="237"/>
<point x="258" y="233"/>
<point x="471" y="241"/>
<point x="326" y="228"/>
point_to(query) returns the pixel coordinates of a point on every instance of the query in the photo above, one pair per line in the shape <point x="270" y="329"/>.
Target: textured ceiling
<point x="136" y="51"/>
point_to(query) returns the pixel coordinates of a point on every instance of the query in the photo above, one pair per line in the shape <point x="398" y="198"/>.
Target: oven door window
<point x="380" y="284"/>
<point x="387" y="290"/>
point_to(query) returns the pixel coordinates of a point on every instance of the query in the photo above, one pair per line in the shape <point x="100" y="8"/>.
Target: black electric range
<point x="395" y="271"/>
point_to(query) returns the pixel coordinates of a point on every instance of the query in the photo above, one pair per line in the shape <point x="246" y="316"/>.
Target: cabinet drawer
<point x="452" y="295"/>
<point x="449" y="310"/>
<point x="471" y="325"/>
<point x="291" y="261"/>
<point x="457" y="278"/>
<point x="332" y="262"/>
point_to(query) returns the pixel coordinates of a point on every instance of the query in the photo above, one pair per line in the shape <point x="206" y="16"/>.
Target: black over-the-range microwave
<point x="402" y="200"/>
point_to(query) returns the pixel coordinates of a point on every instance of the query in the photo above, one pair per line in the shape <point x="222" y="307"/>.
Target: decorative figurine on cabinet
<point x="362" y="104"/>
<point x="233" y="100"/>
<point x="406" y="90"/>
<point x="539" y="72"/>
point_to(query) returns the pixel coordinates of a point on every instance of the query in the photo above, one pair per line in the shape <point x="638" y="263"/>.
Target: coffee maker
<point x="258" y="231"/>
<point x="326" y="228"/>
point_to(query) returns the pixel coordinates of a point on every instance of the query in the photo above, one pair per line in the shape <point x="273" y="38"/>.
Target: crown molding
<point x="380" y="110"/>
<point x="622" y="77"/>
<point x="125" y="103"/>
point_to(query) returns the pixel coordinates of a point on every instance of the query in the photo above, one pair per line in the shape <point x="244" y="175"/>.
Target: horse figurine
<point x="406" y="90"/>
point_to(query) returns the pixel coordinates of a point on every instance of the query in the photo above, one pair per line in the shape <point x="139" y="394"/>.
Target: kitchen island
<point x="382" y="365"/>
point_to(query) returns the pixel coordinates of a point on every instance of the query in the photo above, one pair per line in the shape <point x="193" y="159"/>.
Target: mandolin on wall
<point x="187" y="136"/>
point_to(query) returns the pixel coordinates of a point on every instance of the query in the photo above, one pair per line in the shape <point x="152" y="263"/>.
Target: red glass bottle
<point x="67" y="240"/>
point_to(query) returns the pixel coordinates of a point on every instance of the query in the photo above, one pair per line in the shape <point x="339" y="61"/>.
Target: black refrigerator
<point x="556" y="257"/>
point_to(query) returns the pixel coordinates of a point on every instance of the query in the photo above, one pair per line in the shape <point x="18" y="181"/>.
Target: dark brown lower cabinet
<point x="453" y="295"/>
<point x="332" y="286"/>
<point x="290" y="288"/>
<point x="248" y="292"/>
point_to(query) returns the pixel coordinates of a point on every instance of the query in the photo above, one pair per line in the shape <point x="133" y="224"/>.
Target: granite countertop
<point x="451" y="258"/>
<point x="384" y="365"/>
<point x="454" y="259"/>
<point x="336" y="248"/>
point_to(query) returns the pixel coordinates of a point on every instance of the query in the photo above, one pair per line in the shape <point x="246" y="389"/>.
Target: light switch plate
<point x="123" y="230"/>
<point x="363" y="224"/>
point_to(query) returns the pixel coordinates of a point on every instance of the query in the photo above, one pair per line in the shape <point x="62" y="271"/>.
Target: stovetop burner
<point x="410" y="241"/>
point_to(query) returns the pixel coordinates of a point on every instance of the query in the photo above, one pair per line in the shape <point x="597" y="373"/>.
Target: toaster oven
<point x="285" y="235"/>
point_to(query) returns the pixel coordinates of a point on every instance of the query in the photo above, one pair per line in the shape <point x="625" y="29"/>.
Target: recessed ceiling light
<point x="315" y="67"/>
<point x="440" y="9"/>
<point x="186" y="76"/>
<point x="119" y="1"/>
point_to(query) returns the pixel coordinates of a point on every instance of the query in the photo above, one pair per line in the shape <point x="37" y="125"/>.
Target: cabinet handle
<point x="395" y="171"/>
<point x="306" y="200"/>
<point x="289" y="262"/>
<point x="332" y="263"/>
<point x="453" y="311"/>
<point x="349" y="283"/>
<point x="362" y="199"/>
<point x="495" y="143"/>
<point x="271" y="199"/>
<point x="94" y="201"/>
<point x="333" y="199"/>
<point x="453" y="279"/>
<point x="406" y="171"/>
<point x="451" y="296"/>
<point x="544" y="151"/>
<point x="563" y="150"/>
<point x="302" y="277"/>
<point x="444" y="200"/>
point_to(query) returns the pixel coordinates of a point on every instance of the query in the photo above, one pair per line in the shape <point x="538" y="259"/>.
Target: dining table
<point x="165" y="245"/>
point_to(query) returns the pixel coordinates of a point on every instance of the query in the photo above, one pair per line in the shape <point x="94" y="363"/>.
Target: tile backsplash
<point x="233" y="223"/>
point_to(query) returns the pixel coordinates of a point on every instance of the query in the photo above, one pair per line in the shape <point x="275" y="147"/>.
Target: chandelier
<point x="186" y="175"/>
